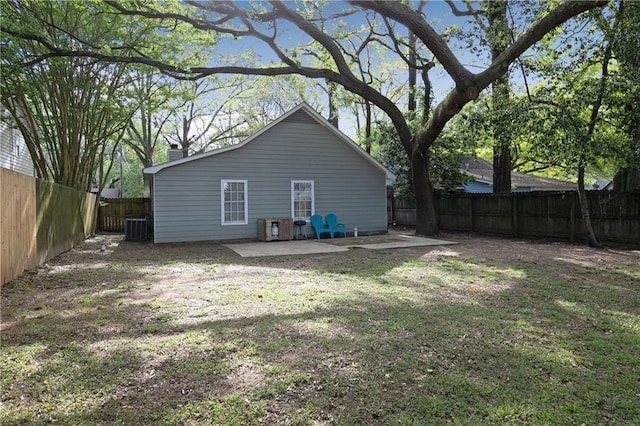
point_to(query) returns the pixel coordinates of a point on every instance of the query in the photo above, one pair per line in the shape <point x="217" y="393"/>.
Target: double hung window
<point x="302" y="199"/>
<point x="234" y="202"/>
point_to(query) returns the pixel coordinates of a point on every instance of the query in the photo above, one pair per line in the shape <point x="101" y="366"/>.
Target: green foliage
<point x="267" y="98"/>
<point x="626" y="81"/>
<point x="581" y="102"/>
<point x="548" y="126"/>
<point x="64" y="107"/>
<point x="445" y="158"/>
<point x="132" y="176"/>
<point x="73" y="110"/>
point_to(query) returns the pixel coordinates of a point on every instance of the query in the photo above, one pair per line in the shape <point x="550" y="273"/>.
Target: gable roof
<point x="313" y="115"/>
<point x="482" y="171"/>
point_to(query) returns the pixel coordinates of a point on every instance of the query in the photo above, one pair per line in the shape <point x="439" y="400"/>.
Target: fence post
<point x="572" y="218"/>
<point x="393" y="208"/>
<point x="470" y="213"/>
<point x="514" y="214"/>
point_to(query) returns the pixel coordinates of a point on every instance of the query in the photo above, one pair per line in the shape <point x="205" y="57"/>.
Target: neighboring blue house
<point x="14" y="154"/>
<point x="481" y="179"/>
<point x="297" y="166"/>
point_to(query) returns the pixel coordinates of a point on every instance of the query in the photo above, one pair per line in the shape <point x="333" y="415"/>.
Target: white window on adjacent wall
<point x="302" y="202"/>
<point x="234" y="202"/>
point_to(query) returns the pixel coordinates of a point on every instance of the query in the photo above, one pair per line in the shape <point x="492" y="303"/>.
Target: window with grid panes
<point x="302" y="203"/>
<point x="234" y="202"/>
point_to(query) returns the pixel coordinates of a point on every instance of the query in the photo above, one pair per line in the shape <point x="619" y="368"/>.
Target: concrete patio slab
<point x="403" y="242"/>
<point x="284" y="248"/>
<point x="289" y="248"/>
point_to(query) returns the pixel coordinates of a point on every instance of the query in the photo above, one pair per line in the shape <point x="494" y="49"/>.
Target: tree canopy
<point x="325" y="41"/>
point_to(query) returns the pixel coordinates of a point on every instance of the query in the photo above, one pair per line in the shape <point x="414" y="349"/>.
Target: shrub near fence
<point x="615" y="216"/>
<point x="39" y="220"/>
<point x="114" y="212"/>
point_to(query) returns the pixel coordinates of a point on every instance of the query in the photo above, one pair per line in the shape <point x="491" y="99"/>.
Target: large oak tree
<point x="270" y="25"/>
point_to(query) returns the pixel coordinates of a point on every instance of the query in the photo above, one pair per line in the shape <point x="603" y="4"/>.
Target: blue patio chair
<point x="319" y="226"/>
<point x="334" y="226"/>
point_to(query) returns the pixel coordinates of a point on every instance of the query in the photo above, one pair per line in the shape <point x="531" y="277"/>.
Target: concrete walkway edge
<point x="291" y="248"/>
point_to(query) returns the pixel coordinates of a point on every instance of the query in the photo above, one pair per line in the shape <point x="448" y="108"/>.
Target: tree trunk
<point x="502" y="168"/>
<point x="411" y="104"/>
<point x="498" y="38"/>
<point x="333" y="108"/>
<point x="185" y="143"/>
<point x="584" y="209"/>
<point x="426" y="219"/>
<point x="628" y="179"/>
<point x="367" y="126"/>
<point x="582" y="196"/>
<point x="426" y="101"/>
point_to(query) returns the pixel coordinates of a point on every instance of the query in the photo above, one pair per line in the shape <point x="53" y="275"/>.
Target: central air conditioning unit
<point x="135" y="230"/>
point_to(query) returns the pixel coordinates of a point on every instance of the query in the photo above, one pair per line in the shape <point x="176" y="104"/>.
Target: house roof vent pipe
<point x="174" y="152"/>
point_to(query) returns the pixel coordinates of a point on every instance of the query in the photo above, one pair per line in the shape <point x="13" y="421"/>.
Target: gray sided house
<point x="297" y="166"/>
<point x="14" y="154"/>
<point x="480" y="173"/>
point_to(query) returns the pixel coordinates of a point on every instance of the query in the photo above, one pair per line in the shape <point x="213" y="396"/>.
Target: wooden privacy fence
<point x="39" y="220"/>
<point x="615" y="216"/>
<point x="114" y="212"/>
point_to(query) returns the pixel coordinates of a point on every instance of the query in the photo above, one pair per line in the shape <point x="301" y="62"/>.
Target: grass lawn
<point x="488" y="331"/>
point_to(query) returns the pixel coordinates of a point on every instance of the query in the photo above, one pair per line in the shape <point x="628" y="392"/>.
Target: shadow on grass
<point x="388" y="337"/>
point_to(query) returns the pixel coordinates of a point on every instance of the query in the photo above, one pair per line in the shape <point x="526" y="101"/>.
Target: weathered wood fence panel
<point x="615" y="216"/>
<point x="18" y="224"/>
<point x="401" y="211"/>
<point x="114" y="212"/>
<point x="40" y="220"/>
<point x="65" y="217"/>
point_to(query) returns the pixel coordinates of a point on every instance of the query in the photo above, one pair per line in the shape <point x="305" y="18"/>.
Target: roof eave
<point x="304" y="106"/>
<point x="321" y="120"/>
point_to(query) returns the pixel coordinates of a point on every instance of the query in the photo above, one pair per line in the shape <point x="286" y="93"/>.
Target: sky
<point x="437" y="12"/>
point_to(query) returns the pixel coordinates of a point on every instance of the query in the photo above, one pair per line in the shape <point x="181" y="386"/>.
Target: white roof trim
<point x="303" y="106"/>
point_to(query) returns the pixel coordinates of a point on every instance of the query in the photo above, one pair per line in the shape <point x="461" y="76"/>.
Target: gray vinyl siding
<point x="14" y="154"/>
<point x="187" y="201"/>
<point x="476" y="187"/>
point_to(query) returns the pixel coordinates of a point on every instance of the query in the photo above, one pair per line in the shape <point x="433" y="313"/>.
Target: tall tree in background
<point x="498" y="35"/>
<point x="267" y="98"/>
<point x="574" y="118"/>
<point x="626" y="50"/>
<point x="202" y="118"/>
<point x="493" y="32"/>
<point x="64" y="107"/>
<point x="73" y="111"/>
<point x="243" y="23"/>
<point x="151" y="96"/>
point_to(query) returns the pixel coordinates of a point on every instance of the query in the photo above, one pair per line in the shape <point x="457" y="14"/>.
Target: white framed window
<point x="302" y="199"/>
<point x="17" y="143"/>
<point x="235" y="203"/>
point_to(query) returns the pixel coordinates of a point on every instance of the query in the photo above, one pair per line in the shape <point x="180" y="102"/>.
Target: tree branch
<point x="425" y="32"/>
<point x="458" y="12"/>
<point x="555" y="18"/>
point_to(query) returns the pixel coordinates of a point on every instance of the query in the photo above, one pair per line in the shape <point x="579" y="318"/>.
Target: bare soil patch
<point x="487" y="331"/>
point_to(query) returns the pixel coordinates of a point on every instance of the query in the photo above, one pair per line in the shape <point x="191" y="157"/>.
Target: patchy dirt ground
<point x="137" y="333"/>
<point x="168" y="264"/>
<point x="474" y="246"/>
